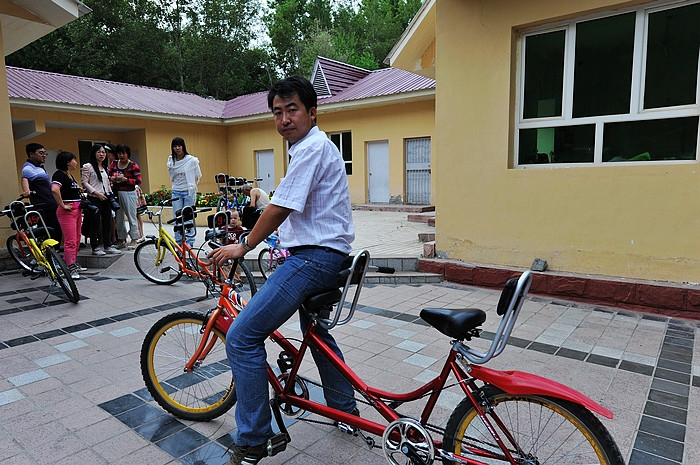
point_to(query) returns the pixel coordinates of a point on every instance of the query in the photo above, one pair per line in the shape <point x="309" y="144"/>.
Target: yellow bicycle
<point x="33" y="248"/>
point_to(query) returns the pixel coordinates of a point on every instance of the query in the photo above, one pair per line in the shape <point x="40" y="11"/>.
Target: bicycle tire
<point x="59" y="273"/>
<point x="203" y="394"/>
<point x="145" y="258"/>
<point x="20" y="253"/>
<point x="547" y="429"/>
<point x="267" y="264"/>
<point x="243" y="280"/>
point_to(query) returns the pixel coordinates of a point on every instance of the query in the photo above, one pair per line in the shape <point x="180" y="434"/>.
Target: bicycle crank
<point x="406" y="437"/>
<point x="299" y="390"/>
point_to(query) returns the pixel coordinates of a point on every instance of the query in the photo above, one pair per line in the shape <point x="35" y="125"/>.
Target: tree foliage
<point x="217" y="48"/>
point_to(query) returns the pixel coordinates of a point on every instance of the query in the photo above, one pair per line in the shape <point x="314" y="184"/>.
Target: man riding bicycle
<point x="311" y="208"/>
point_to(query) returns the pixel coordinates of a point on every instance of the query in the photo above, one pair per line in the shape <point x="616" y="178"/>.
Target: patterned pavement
<point x="71" y="390"/>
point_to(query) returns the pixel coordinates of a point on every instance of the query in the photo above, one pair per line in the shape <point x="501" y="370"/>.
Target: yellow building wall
<point x="393" y="123"/>
<point x="625" y="221"/>
<point x="9" y="182"/>
<point x="148" y="139"/>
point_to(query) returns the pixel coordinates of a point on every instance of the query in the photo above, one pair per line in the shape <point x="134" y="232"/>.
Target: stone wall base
<point x="669" y="299"/>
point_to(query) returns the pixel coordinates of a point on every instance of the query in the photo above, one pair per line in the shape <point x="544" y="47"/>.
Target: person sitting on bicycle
<point x="259" y="200"/>
<point x="311" y="208"/>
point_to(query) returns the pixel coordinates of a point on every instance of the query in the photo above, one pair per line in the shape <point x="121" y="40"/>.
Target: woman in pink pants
<point x="66" y="191"/>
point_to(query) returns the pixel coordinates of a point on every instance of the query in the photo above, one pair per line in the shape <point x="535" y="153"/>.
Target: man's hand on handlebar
<point x="228" y="252"/>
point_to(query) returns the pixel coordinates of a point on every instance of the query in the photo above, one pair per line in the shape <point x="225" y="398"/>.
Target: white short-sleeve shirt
<point x="315" y="188"/>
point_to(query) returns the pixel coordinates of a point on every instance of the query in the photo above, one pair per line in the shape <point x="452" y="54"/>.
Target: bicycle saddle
<point x="322" y="301"/>
<point x="455" y="323"/>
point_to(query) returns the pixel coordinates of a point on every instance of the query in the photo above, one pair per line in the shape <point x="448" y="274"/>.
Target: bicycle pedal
<point x="276" y="444"/>
<point x="347" y="429"/>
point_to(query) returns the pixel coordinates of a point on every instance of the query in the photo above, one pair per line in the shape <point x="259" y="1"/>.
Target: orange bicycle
<point x="161" y="260"/>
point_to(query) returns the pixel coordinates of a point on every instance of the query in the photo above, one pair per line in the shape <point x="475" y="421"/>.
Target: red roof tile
<point x="66" y="89"/>
<point x="345" y="82"/>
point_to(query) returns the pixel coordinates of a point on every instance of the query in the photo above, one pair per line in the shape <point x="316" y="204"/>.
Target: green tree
<point x="361" y="35"/>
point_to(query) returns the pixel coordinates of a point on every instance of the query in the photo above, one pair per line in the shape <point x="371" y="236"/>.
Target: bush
<point x="207" y="200"/>
<point x="154" y="198"/>
<point x="203" y="200"/>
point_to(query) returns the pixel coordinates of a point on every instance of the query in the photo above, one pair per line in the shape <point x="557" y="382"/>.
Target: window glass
<point x="567" y="144"/>
<point x="672" y="57"/>
<point x="663" y="139"/>
<point x="343" y="140"/>
<point x="347" y="151"/>
<point x="603" y="69"/>
<point x="544" y="74"/>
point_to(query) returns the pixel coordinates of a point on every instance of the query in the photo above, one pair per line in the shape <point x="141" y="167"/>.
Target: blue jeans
<point x="305" y="273"/>
<point x="183" y="199"/>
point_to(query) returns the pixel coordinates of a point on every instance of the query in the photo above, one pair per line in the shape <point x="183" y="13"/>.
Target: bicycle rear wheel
<point x="157" y="263"/>
<point x="547" y="430"/>
<point x="59" y="273"/>
<point x="20" y="252"/>
<point x="200" y="395"/>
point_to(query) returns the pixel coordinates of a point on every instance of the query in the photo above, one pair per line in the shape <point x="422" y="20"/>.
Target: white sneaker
<point x="113" y="250"/>
<point x="73" y="269"/>
<point x="98" y="251"/>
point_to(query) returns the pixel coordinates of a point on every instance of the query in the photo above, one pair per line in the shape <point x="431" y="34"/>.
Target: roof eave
<point x="104" y="111"/>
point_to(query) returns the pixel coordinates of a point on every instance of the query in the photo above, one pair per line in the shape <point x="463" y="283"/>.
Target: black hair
<point x="63" y="159"/>
<point x="123" y="148"/>
<point x="294" y="85"/>
<point x="33" y="147"/>
<point x="110" y="148"/>
<point x="178" y="141"/>
<point x="93" y="159"/>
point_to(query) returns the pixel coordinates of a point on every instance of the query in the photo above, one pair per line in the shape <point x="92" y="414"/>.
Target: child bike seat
<point x="455" y="323"/>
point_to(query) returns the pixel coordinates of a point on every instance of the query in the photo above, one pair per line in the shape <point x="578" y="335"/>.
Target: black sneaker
<point x="247" y="455"/>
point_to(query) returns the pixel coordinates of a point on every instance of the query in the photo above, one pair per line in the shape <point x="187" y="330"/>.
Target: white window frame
<point x="341" y="149"/>
<point x="637" y="113"/>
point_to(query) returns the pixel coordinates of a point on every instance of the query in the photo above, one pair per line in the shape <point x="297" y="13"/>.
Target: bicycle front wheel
<point x="157" y="263"/>
<point x="267" y="262"/>
<point x="59" y="273"/>
<point x="20" y="252"/>
<point x="546" y="430"/>
<point x="202" y="394"/>
<point x="243" y="280"/>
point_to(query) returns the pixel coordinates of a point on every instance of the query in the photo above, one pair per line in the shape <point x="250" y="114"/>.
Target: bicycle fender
<point x="49" y="243"/>
<point x="518" y="382"/>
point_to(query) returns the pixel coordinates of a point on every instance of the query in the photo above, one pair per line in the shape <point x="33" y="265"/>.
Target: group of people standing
<point x="106" y="198"/>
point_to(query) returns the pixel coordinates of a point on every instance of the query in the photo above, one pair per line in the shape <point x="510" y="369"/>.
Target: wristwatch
<point x="244" y="243"/>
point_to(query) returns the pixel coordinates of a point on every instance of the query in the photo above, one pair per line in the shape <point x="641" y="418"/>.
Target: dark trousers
<point x="99" y="224"/>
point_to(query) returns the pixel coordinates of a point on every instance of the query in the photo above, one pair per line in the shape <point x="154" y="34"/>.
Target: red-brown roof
<point x="345" y="82"/>
<point x="65" y="89"/>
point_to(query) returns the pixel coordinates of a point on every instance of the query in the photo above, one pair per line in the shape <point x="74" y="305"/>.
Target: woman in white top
<point x="184" y="172"/>
<point x="96" y="184"/>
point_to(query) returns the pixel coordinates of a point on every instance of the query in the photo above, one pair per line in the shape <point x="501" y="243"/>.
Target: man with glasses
<point x="36" y="184"/>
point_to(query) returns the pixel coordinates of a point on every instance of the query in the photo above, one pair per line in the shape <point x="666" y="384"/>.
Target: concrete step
<point x="428" y="218"/>
<point x="391" y="207"/>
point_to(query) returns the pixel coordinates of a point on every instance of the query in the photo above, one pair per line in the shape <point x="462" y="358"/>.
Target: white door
<point x="50" y="163"/>
<point x="378" y="171"/>
<point x="266" y="169"/>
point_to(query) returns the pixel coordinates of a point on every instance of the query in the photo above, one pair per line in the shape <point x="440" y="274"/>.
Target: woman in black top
<point x="66" y="191"/>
